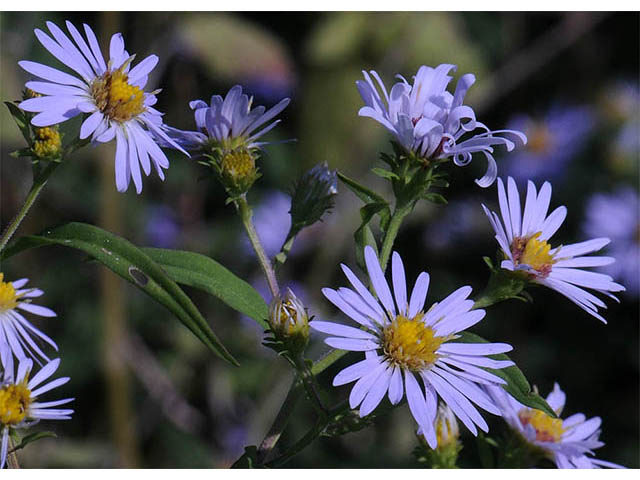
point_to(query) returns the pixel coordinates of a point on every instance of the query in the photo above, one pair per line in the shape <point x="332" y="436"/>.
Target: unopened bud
<point x="289" y="321"/>
<point x="312" y="196"/>
<point x="447" y="431"/>
<point x="47" y="143"/>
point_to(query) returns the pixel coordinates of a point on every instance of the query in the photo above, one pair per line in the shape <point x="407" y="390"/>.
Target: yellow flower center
<point x="533" y="252"/>
<point x="14" y="403"/>
<point x="116" y="98"/>
<point x="8" y="297"/>
<point x="547" y="429"/>
<point x="238" y="164"/>
<point x="539" y="139"/>
<point x="410" y="344"/>
<point x="47" y="143"/>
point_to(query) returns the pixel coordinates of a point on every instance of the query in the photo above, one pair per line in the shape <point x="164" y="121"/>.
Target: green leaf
<point x="435" y="198"/>
<point x="363" y="193"/>
<point x="132" y="264"/>
<point x="517" y="384"/>
<point x="32" y="437"/>
<point x="21" y="120"/>
<point x="381" y="172"/>
<point x="200" y="271"/>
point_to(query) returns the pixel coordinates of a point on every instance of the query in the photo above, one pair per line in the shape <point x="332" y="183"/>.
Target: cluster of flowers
<point x="409" y="350"/>
<point x="20" y="391"/>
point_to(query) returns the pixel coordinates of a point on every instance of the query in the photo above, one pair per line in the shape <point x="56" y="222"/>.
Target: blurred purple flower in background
<point x="161" y="229"/>
<point x="457" y="222"/>
<point x="617" y="216"/>
<point x="553" y="141"/>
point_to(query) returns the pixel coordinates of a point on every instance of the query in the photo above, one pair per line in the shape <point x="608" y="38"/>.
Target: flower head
<point x="112" y="93"/>
<point x="615" y="216"/>
<point x="16" y="332"/>
<point x="429" y="121"/>
<point x="566" y="442"/>
<point x="19" y="405"/>
<point x="524" y="240"/>
<point x="230" y="123"/>
<point x="406" y="345"/>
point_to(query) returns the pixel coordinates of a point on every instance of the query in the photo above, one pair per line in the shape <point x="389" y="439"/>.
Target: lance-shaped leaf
<point x="204" y="273"/>
<point x="517" y="384"/>
<point x="132" y="264"/>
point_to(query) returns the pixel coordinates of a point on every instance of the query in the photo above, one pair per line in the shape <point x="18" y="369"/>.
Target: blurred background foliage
<point x="148" y="394"/>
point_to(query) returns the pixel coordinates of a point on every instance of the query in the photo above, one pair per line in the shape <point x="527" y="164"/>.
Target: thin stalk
<point x="12" y="456"/>
<point x="38" y="184"/>
<point x="391" y="234"/>
<point x="246" y="214"/>
<point x="300" y="445"/>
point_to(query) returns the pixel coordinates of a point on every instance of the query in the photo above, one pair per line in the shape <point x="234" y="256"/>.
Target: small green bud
<point x="312" y="196"/>
<point x="289" y="322"/>
<point x="445" y="455"/>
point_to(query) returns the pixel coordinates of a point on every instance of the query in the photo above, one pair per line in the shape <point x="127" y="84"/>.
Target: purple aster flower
<point x="523" y="239"/>
<point x="428" y="120"/>
<point x="16" y="332"/>
<point x="617" y="216"/>
<point x="229" y="123"/>
<point x="553" y="141"/>
<point x="410" y="349"/>
<point x="112" y="93"/>
<point x="19" y="397"/>
<point x="566" y="442"/>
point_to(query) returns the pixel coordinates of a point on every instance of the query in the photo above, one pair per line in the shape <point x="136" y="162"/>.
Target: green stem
<point x="392" y="232"/>
<point x="246" y="214"/>
<point x="280" y="422"/>
<point x="300" y="445"/>
<point x="38" y="184"/>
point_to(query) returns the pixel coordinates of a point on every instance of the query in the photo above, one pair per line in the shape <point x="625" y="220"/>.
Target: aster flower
<point x="16" y="332"/>
<point x="523" y="239"/>
<point x="19" y="405"/>
<point x="405" y="344"/>
<point x="111" y="93"/>
<point x="429" y="121"/>
<point x="229" y="123"/>
<point x="615" y="216"/>
<point x="554" y="140"/>
<point x="566" y="442"/>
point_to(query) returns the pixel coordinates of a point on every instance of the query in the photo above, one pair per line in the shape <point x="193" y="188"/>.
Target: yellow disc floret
<point x="533" y="252"/>
<point x="116" y="97"/>
<point x="238" y="164"/>
<point x="8" y="297"/>
<point x="547" y="429"/>
<point x="48" y="142"/>
<point x="14" y="403"/>
<point x="410" y="344"/>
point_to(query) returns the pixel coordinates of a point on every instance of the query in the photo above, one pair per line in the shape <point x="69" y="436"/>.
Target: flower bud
<point x="289" y="321"/>
<point x="47" y="143"/>
<point x="312" y="196"/>
<point x="447" y="432"/>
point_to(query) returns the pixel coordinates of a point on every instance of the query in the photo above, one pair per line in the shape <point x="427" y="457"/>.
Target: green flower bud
<point x="289" y="322"/>
<point x="312" y="196"/>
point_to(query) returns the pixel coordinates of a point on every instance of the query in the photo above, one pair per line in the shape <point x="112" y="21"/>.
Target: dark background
<point x="147" y="393"/>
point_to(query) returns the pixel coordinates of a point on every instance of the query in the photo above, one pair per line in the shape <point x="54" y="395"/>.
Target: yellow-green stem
<point x="246" y="214"/>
